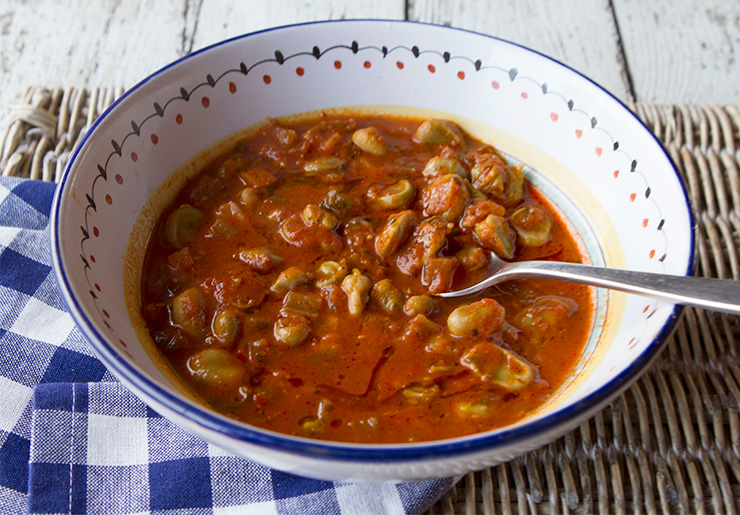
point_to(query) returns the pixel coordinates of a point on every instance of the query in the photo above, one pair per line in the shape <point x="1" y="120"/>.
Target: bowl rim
<point x="560" y="421"/>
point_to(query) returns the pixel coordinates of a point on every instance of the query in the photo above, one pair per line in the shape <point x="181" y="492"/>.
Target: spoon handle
<point x="716" y="294"/>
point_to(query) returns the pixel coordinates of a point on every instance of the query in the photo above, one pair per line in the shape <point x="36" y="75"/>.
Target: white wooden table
<point x="661" y="51"/>
<point x="650" y="51"/>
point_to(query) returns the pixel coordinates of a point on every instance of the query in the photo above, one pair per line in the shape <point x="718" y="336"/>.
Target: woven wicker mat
<point x="671" y="443"/>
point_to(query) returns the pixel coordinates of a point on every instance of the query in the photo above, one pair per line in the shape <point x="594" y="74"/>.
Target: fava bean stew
<point x="291" y="285"/>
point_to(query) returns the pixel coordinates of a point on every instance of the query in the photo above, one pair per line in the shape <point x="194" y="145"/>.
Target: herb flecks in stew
<point x="291" y="284"/>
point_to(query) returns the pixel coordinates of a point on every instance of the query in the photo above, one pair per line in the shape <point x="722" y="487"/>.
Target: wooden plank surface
<point x="664" y="52"/>
<point x="82" y="43"/>
<point x="579" y="33"/>
<point x="682" y="51"/>
<point x="222" y="19"/>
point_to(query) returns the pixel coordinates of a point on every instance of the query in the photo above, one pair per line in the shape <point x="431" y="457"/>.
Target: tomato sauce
<point x="291" y="285"/>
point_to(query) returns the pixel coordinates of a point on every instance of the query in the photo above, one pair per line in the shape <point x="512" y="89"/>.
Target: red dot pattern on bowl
<point x="300" y="71"/>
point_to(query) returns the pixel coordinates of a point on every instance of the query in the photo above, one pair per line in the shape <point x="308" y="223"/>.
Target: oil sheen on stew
<point x="291" y="284"/>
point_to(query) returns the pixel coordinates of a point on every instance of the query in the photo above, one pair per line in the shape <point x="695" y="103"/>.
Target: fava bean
<point x="478" y="319"/>
<point x="387" y="296"/>
<point x="442" y="344"/>
<point x="499" y="366"/>
<point x="395" y="232"/>
<point x="532" y="225"/>
<point x="420" y="305"/>
<point x="370" y="140"/>
<point x="394" y="196"/>
<point x="249" y="196"/>
<point x="444" y="166"/>
<point x="472" y="409"/>
<point x="289" y="279"/>
<point x="217" y="368"/>
<point x="316" y="215"/>
<point x="182" y="225"/>
<point x="323" y="164"/>
<point x="473" y="258"/>
<point x="357" y="288"/>
<point x="544" y="316"/>
<point x="417" y="394"/>
<point x="492" y="176"/>
<point x="226" y="325"/>
<point x="189" y="311"/>
<point x="291" y="329"/>
<point x="342" y="205"/>
<point x="439" y="131"/>
<point x="331" y="272"/>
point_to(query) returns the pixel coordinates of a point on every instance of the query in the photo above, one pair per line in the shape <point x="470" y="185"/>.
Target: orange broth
<point x="338" y="351"/>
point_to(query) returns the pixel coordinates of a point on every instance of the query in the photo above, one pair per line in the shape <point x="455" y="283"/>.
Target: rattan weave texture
<point x="670" y="444"/>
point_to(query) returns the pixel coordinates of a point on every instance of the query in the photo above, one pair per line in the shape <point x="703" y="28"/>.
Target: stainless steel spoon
<point x="717" y="294"/>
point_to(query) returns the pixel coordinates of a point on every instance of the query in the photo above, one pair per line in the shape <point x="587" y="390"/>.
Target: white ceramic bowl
<point x="585" y="150"/>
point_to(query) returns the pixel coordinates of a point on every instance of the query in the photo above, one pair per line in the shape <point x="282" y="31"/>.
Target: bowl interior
<point x="588" y="154"/>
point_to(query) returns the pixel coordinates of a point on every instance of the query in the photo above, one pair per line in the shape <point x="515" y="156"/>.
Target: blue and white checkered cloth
<point x="74" y="440"/>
